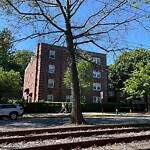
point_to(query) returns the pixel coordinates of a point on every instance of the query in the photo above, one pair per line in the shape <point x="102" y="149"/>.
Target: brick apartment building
<point x="43" y="80"/>
<point x="113" y="96"/>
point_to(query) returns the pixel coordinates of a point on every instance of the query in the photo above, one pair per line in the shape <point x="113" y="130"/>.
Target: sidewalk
<point x="85" y="114"/>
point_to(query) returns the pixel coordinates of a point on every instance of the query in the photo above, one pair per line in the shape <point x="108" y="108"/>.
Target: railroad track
<point x="75" y="132"/>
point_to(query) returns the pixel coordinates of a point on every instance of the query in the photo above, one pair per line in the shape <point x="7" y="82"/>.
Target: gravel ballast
<point x="119" y="146"/>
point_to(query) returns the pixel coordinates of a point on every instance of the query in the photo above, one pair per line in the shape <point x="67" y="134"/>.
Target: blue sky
<point x="135" y="39"/>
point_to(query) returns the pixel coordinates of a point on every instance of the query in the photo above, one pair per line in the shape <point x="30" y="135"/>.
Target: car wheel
<point x="13" y="116"/>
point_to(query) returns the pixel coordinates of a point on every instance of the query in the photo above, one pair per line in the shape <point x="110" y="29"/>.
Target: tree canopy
<point x="64" y="23"/>
<point x="6" y="51"/>
<point x="125" y="64"/>
<point x="84" y="69"/>
<point x="12" y="63"/>
<point x="139" y="82"/>
<point x="22" y="58"/>
<point x="9" y="83"/>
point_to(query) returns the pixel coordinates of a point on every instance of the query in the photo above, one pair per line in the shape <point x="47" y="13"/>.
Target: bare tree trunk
<point x="76" y="113"/>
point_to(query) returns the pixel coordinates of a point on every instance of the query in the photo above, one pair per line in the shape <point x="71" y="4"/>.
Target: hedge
<point x="111" y="107"/>
<point x="55" y="107"/>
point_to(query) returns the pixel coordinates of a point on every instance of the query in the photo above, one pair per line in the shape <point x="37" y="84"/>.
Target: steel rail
<point x="86" y="144"/>
<point x="70" y="134"/>
<point x="65" y="129"/>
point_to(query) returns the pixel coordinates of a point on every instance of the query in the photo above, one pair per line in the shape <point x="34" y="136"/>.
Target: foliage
<point x="41" y="107"/>
<point x="55" y="107"/>
<point x="22" y="58"/>
<point x="63" y="22"/>
<point x="111" y="107"/>
<point x="9" y="83"/>
<point x="6" y="52"/>
<point x="125" y="64"/>
<point x="11" y="59"/>
<point x="84" y="74"/>
<point x="139" y="82"/>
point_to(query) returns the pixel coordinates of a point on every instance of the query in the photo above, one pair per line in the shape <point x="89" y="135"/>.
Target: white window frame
<point x="97" y="86"/>
<point x="68" y="69"/>
<point x="52" y="54"/>
<point x="110" y="85"/>
<point x="83" y="99"/>
<point x="51" y="68"/>
<point x="68" y="87"/>
<point x="97" y="60"/>
<point x="111" y="93"/>
<point x="68" y="98"/>
<point x="50" y="83"/>
<point x="97" y="99"/>
<point x="96" y="74"/>
<point x="122" y="94"/>
<point x="50" y="97"/>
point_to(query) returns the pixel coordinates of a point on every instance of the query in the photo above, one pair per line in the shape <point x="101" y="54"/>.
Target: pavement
<point x="29" y="121"/>
<point x="86" y="114"/>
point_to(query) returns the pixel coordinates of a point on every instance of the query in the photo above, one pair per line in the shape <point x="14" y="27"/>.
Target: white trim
<point x="50" y="83"/>
<point x="97" y="86"/>
<point x="52" y="54"/>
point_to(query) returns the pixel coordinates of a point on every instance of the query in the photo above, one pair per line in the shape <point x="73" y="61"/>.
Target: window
<point x="52" y="54"/>
<point x="50" y="97"/>
<point x="97" y="99"/>
<point x="122" y="94"/>
<point x="96" y="74"/>
<point x="68" y="98"/>
<point x="111" y="93"/>
<point x="68" y="68"/>
<point x="51" y="68"/>
<point x="83" y="99"/>
<point x="110" y="85"/>
<point x="96" y="60"/>
<point x="68" y="87"/>
<point x="97" y="86"/>
<point x="50" y="83"/>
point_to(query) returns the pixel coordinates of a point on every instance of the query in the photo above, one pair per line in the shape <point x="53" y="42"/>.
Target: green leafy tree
<point x="84" y="69"/>
<point x="64" y="22"/>
<point x="6" y="52"/>
<point x="9" y="83"/>
<point x="139" y="83"/>
<point x="125" y="64"/>
<point x="22" y="58"/>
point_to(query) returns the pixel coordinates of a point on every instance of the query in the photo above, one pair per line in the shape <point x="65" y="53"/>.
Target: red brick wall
<point x="38" y="83"/>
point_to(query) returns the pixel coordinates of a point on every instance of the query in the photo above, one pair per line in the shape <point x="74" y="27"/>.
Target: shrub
<point x="111" y="107"/>
<point x="55" y="107"/>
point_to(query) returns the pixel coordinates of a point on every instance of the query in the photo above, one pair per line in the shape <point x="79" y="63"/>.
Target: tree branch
<point x="58" y="39"/>
<point x="62" y="10"/>
<point x="98" y="22"/>
<point x="31" y="36"/>
<point x="23" y="13"/>
<point x="76" y="8"/>
<point x="47" y="18"/>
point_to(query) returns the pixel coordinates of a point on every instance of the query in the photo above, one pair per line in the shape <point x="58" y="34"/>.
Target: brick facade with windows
<point x="43" y="80"/>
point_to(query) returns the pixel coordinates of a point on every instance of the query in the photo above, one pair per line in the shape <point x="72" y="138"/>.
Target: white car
<point x="11" y="110"/>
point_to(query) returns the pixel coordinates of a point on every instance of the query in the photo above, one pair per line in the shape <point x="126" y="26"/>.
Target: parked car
<point x="11" y="110"/>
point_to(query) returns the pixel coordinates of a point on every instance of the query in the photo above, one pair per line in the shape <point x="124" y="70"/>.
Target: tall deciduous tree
<point x="84" y="69"/>
<point x="9" y="83"/>
<point x="6" y="52"/>
<point x="22" y="58"/>
<point x="139" y="83"/>
<point x="74" y="22"/>
<point x="125" y="64"/>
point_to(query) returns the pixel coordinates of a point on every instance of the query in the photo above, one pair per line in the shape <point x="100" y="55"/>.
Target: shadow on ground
<point x="57" y="121"/>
